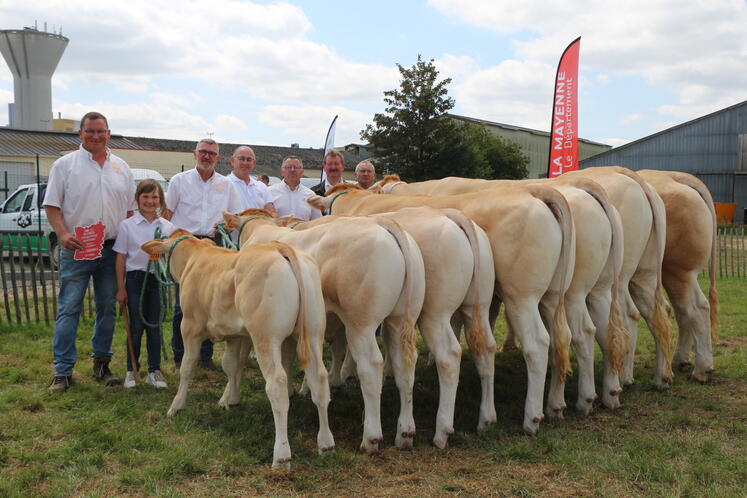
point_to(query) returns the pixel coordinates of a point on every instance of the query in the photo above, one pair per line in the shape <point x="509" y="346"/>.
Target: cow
<point x="533" y="243"/>
<point x="644" y="231"/>
<point x="459" y="278"/>
<point x="270" y="292"/>
<point x="691" y="241"/>
<point x="371" y="272"/>
<point x="589" y="305"/>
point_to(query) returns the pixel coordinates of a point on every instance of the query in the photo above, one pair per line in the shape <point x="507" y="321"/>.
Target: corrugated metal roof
<point x="718" y="120"/>
<point x="15" y="142"/>
<point x="517" y="128"/>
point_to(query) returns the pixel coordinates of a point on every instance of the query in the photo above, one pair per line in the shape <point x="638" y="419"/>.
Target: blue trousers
<point x="177" y="344"/>
<point x="74" y="278"/>
<point x="151" y="313"/>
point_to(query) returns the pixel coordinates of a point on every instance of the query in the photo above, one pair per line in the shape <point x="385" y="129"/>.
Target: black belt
<point x="109" y="242"/>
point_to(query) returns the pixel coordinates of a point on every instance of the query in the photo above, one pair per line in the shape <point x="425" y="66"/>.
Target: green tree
<point x="416" y="138"/>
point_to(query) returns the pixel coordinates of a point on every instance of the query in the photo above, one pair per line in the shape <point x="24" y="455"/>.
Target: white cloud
<point x="680" y="45"/>
<point x="513" y="92"/>
<point x="262" y="49"/>
<point x="614" y="142"/>
<point x="631" y="118"/>
<point x="308" y="124"/>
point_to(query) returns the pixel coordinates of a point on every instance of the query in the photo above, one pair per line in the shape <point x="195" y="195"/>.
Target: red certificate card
<point x="92" y="238"/>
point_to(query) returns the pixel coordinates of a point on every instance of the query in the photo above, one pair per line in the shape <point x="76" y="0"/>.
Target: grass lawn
<point x="99" y="441"/>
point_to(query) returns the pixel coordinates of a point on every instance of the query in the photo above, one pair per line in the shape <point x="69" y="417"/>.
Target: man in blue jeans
<point x="88" y="186"/>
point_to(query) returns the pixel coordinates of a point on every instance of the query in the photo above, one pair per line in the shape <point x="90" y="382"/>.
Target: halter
<point x="168" y="257"/>
<point x="334" y="198"/>
<point x="241" y="228"/>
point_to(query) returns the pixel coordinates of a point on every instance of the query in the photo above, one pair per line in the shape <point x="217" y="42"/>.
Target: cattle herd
<point x="575" y="260"/>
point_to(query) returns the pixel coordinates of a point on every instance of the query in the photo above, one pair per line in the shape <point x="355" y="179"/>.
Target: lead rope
<point x="163" y="276"/>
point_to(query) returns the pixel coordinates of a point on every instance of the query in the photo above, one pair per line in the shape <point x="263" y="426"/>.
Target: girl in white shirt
<point x="131" y="266"/>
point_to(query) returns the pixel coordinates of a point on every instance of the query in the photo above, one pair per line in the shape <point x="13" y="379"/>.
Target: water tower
<point x="32" y="56"/>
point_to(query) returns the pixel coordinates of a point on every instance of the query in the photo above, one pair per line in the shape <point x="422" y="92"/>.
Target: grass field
<point x="98" y="441"/>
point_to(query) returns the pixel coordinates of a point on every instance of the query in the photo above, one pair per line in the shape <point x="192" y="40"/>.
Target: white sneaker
<point x="130" y="380"/>
<point x="156" y="380"/>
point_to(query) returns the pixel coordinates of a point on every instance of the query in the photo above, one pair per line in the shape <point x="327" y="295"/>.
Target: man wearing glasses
<point x="194" y="202"/>
<point x="254" y="194"/>
<point x="89" y="186"/>
<point x="289" y="196"/>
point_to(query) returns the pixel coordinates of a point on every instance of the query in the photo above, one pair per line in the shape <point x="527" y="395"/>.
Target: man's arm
<point x="64" y="237"/>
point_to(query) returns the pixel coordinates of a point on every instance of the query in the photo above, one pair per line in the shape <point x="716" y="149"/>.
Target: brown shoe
<point x="101" y="372"/>
<point x="208" y="364"/>
<point x="60" y="383"/>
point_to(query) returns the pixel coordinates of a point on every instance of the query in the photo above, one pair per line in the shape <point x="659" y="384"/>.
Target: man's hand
<point x="122" y="299"/>
<point x="69" y="242"/>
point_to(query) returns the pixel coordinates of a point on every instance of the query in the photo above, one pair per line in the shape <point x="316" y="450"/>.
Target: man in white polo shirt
<point x="87" y="187"/>
<point x="289" y="196"/>
<point x="253" y="193"/>
<point x="194" y="202"/>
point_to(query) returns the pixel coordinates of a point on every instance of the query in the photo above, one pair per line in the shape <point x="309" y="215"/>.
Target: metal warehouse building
<point x="712" y="147"/>
<point x="535" y="144"/>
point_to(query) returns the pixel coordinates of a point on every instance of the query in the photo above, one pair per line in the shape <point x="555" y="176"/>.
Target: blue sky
<point x="277" y="72"/>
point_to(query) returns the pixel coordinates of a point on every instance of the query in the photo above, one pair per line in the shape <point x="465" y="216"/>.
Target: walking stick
<point x="130" y="347"/>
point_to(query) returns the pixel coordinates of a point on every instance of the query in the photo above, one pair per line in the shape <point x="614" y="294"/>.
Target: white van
<point x="142" y="174"/>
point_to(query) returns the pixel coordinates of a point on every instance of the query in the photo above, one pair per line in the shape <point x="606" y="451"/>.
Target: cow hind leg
<point x="370" y="366"/>
<point x="404" y="377"/>
<point x="650" y="302"/>
<point x="599" y="302"/>
<point x="191" y="351"/>
<point x="232" y="365"/>
<point x="692" y="312"/>
<point x="447" y="352"/>
<point x="485" y="365"/>
<point x="276" y="387"/>
<point x="317" y="380"/>
<point x="525" y="320"/>
<point x="582" y="340"/>
<point x="556" y="393"/>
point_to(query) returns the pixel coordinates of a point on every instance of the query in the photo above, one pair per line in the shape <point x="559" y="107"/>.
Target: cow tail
<point x="618" y="336"/>
<point x="303" y="348"/>
<point x="697" y="185"/>
<point x="476" y="338"/>
<point x="561" y="333"/>
<point x="408" y="335"/>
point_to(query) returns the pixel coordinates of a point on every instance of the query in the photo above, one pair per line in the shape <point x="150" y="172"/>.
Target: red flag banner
<point x="564" y="125"/>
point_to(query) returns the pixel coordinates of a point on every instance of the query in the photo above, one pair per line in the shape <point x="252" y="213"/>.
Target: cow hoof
<point x="371" y="446"/>
<point x="555" y="413"/>
<point x="282" y="464"/>
<point x="486" y="422"/>
<point x="684" y="366"/>
<point x="701" y="378"/>
<point x="171" y="412"/>
<point x="327" y="450"/>
<point x="404" y="440"/>
<point x="584" y="407"/>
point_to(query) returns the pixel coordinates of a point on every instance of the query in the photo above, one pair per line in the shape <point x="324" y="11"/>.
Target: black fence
<point x="30" y="281"/>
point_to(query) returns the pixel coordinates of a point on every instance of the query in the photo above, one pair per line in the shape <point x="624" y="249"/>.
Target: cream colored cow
<point x="599" y="244"/>
<point x="270" y="292"/>
<point x="533" y="242"/>
<point x="691" y="241"/>
<point x="459" y="278"/>
<point x="644" y="231"/>
<point x="371" y="272"/>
